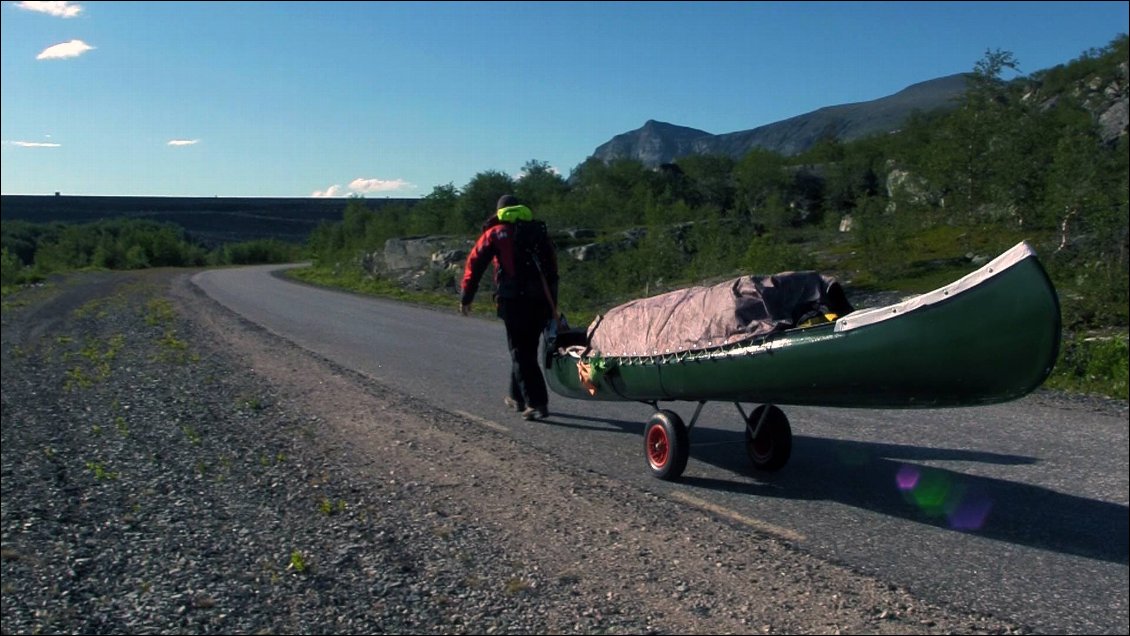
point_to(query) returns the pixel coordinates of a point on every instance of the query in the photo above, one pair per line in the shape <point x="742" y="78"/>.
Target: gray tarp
<point x="712" y="316"/>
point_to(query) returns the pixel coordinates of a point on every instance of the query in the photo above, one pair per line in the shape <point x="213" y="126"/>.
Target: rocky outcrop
<point x="1108" y="100"/>
<point x="407" y="253"/>
<point x="425" y="262"/>
<point x="415" y="259"/>
<point x="656" y="143"/>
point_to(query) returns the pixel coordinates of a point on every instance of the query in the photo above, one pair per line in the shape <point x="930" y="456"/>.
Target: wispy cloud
<point x="183" y="142"/>
<point x="35" y="144"/>
<point x="379" y="185"/>
<point x="57" y="9"/>
<point x="74" y="48"/>
<point x="332" y="191"/>
<point x="365" y="186"/>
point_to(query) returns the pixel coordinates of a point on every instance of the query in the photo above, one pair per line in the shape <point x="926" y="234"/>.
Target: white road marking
<point x="485" y="422"/>
<point x="760" y="526"/>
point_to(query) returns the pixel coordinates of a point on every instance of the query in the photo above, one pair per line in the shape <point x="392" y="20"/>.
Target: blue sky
<point x="296" y="99"/>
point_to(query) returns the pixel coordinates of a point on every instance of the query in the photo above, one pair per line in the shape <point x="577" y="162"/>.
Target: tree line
<point x="31" y="251"/>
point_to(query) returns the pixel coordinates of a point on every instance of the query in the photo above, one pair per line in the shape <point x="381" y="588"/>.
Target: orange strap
<point x="584" y="374"/>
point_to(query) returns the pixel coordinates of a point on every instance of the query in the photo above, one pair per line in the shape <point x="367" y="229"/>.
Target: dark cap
<point x="506" y="201"/>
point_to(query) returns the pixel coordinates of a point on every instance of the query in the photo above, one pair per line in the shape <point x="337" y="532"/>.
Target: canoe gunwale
<point x="755" y="346"/>
<point x="990" y="270"/>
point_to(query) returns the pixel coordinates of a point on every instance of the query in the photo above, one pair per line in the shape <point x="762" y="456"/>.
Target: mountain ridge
<point x="658" y="142"/>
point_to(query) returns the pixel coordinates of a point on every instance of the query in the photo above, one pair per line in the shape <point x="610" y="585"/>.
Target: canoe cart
<point x="793" y="339"/>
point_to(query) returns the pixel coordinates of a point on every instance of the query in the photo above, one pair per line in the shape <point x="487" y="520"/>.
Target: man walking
<point x="525" y="292"/>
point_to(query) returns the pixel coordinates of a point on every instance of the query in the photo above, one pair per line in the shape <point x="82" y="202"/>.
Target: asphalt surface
<point x="1019" y="510"/>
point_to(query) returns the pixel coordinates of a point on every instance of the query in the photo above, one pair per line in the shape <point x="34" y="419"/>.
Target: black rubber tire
<point x="666" y="445"/>
<point x="774" y="444"/>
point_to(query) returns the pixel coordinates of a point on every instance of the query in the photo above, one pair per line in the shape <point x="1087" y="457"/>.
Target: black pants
<point x="525" y="320"/>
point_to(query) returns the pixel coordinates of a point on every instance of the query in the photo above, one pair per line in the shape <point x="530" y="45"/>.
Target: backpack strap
<point x="533" y="247"/>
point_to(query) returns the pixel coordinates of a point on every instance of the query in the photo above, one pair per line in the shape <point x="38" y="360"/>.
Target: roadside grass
<point x="329" y="507"/>
<point x="357" y="281"/>
<point x="516" y="586"/>
<point x="94" y="361"/>
<point x="101" y="472"/>
<point x="298" y="562"/>
<point x="251" y="403"/>
<point x="1093" y="365"/>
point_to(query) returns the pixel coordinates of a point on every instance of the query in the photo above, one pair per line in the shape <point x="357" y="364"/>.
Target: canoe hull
<point x="993" y="342"/>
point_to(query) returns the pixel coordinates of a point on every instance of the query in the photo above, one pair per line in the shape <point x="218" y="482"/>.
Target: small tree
<point x="430" y="214"/>
<point x="539" y="185"/>
<point x="477" y="201"/>
<point x="761" y="178"/>
<point x="10" y="268"/>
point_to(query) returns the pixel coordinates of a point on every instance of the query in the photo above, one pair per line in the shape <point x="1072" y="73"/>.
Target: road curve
<point x="1017" y="510"/>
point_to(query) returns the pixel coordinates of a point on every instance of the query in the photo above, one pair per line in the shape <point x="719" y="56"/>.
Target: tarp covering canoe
<point x="704" y="317"/>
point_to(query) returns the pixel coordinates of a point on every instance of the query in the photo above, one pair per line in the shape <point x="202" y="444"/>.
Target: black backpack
<point x="530" y="239"/>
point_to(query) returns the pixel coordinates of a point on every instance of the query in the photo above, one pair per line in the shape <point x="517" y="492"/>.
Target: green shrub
<point x="1095" y="365"/>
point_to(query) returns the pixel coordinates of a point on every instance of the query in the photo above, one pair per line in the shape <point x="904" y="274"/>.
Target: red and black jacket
<point x="517" y="250"/>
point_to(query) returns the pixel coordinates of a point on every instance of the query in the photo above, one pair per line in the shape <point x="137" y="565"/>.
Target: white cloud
<point x="183" y="142"/>
<point x="57" y="9"/>
<point x="332" y="191"/>
<point x="74" y="48"/>
<point x="35" y="144"/>
<point x="365" y="186"/>
<point x="379" y="185"/>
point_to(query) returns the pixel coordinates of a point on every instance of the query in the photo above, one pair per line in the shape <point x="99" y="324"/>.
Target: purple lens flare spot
<point x="907" y="477"/>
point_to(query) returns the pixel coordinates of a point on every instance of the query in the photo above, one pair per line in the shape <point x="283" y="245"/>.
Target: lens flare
<point x="936" y="493"/>
<point x="907" y="477"/>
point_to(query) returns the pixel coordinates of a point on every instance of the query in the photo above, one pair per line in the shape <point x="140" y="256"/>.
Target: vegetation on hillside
<point x="29" y="252"/>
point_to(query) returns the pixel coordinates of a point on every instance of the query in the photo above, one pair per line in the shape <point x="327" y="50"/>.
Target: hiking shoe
<point x="514" y="404"/>
<point x="535" y="413"/>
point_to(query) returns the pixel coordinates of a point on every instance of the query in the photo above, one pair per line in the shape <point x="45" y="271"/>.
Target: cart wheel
<point x="665" y="445"/>
<point x="771" y="449"/>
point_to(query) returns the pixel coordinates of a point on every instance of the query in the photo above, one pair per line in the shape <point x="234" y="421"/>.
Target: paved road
<point x="1018" y="510"/>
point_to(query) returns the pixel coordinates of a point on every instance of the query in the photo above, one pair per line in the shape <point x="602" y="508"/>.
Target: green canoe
<point x="989" y="337"/>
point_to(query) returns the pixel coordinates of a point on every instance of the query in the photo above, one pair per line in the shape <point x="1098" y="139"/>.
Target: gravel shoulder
<point x="168" y="467"/>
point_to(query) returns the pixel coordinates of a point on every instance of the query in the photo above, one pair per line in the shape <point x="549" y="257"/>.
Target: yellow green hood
<point x="515" y="213"/>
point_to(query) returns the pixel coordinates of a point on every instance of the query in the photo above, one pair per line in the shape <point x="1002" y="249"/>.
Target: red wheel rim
<point x="762" y="446"/>
<point x="658" y="448"/>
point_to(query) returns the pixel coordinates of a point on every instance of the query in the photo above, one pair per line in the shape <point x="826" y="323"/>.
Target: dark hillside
<point x="847" y="122"/>
<point x="656" y="142"/>
<point x="210" y="220"/>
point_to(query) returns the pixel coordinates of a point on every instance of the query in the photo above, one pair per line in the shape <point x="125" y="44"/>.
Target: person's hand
<point x="465" y="309"/>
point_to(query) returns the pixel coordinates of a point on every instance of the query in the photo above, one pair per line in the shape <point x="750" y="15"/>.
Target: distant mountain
<point x="656" y="142"/>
